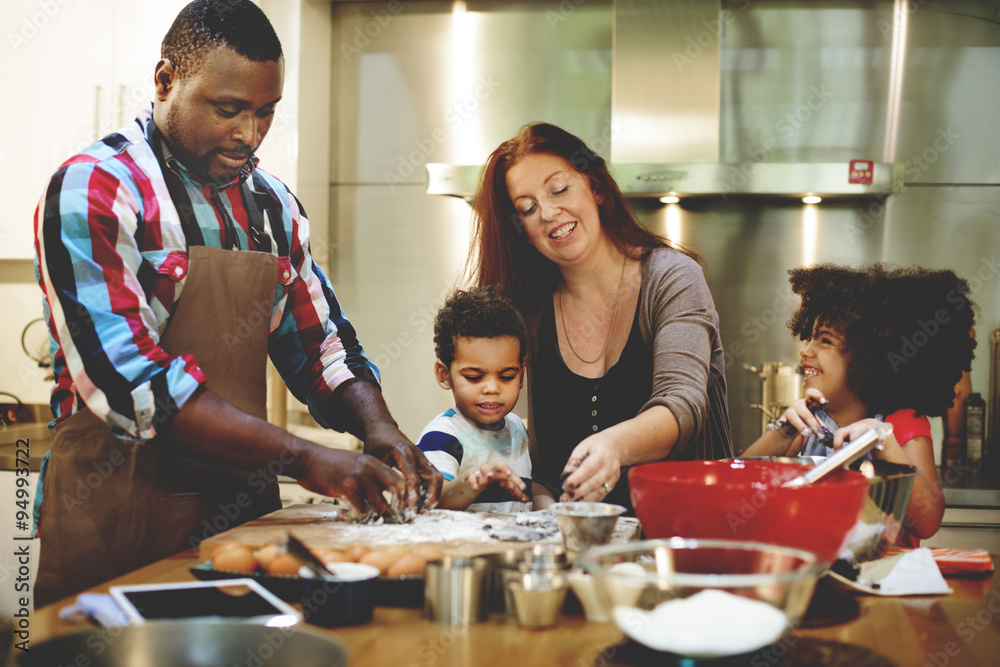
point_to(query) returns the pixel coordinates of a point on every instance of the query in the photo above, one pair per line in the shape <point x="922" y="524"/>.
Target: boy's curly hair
<point x="476" y="313"/>
<point x="907" y="331"/>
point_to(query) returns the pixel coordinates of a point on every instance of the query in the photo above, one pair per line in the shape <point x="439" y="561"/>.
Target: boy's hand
<point x="497" y="473"/>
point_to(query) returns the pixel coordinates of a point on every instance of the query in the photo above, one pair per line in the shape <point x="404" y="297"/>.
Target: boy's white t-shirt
<point x="454" y="444"/>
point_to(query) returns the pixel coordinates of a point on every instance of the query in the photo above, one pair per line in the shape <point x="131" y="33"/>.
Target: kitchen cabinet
<point x="75" y="71"/>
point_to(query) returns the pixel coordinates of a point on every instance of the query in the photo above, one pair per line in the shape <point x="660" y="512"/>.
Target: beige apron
<point x="108" y="506"/>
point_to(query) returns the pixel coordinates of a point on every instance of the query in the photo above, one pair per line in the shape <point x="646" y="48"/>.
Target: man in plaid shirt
<point x="171" y="267"/>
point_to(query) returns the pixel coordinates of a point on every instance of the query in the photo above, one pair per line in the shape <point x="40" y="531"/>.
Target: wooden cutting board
<point x="314" y="525"/>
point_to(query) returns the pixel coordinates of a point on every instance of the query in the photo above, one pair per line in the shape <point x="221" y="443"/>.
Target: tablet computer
<point x="222" y="599"/>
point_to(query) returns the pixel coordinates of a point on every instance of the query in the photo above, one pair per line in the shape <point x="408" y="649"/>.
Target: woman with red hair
<point x="625" y="360"/>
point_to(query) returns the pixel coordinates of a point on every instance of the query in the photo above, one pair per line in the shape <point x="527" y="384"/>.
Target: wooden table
<point x="962" y="629"/>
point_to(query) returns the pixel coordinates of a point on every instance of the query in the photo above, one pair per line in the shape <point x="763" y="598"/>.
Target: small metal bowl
<point x="889" y="487"/>
<point x="537" y="597"/>
<point x="584" y="525"/>
<point x="456" y="590"/>
<point x="585" y="589"/>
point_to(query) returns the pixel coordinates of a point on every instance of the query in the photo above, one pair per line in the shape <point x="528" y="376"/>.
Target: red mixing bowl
<point x="744" y="500"/>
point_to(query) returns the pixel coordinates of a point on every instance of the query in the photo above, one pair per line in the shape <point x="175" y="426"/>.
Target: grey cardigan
<point x="677" y="319"/>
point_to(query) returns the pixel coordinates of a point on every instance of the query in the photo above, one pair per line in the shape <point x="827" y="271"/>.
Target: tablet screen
<point x="222" y="601"/>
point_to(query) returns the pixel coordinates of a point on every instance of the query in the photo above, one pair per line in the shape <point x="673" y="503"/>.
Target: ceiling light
<point x="670" y="199"/>
<point x="811" y="199"/>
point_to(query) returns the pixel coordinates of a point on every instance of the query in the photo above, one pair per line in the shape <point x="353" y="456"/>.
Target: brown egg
<point x="380" y="558"/>
<point x="398" y="550"/>
<point x="356" y="553"/>
<point x="284" y="563"/>
<point x="267" y="553"/>
<point x="429" y="552"/>
<point x="226" y="545"/>
<point x="327" y="555"/>
<point x="235" y="558"/>
<point x="407" y="564"/>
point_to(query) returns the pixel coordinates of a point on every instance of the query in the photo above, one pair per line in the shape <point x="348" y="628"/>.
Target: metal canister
<point x="455" y="590"/>
<point x="975" y="413"/>
<point x="781" y="385"/>
<point x="538" y="559"/>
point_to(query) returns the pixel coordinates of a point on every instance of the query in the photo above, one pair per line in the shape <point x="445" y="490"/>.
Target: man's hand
<point x="209" y="429"/>
<point x="358" y="478"/>
<point x="421" y="479"/>
<point x="363" y="406"/>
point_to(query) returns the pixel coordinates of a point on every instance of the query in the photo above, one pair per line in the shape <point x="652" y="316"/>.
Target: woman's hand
<point x="593" y="469"/>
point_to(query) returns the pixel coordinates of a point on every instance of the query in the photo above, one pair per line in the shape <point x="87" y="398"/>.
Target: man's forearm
<point x="362" y="411"/>
<point x="210" y="429"/>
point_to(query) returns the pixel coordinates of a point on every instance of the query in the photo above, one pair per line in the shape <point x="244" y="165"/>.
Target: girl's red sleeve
<point x="906" y="425"/>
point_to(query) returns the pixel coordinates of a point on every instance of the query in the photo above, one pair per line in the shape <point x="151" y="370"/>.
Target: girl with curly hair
<point x="885" y="345"/>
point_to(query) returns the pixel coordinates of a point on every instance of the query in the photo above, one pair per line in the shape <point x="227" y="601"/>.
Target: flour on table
<point x="470" y="527"/>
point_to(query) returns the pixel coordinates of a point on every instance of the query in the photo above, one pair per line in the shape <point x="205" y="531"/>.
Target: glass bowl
<point x="703" y="598"/>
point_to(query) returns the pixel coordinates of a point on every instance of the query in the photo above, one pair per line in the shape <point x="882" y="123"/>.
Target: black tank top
<point x="566" y="408"/>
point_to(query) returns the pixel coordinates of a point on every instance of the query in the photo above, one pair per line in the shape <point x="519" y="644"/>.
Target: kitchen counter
<point x="957" y="630"/>
<point x="964" y="487"/>
<point x="31" y="430"/>
<point x="35" y="443"/>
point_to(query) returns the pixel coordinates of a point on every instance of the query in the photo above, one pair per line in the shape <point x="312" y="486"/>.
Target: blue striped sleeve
<point x="437" y="441"/>
<point x="443" y="450"/>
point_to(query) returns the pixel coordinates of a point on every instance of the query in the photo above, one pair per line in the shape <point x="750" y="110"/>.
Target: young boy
<point x="480" y="446"/>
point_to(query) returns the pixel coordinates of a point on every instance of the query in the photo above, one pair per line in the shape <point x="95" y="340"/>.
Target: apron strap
<point x="269" y="205"/>
<point x="258" y="236"/>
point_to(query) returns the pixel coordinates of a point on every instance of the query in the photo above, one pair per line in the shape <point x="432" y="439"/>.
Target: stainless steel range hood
<point x="792" y="179"/>
<point x="666" y="119"/>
